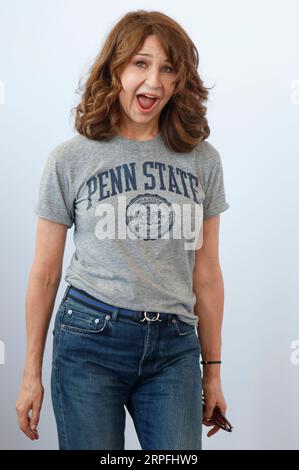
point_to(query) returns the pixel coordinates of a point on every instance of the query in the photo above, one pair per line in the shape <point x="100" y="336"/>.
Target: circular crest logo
<point x="149" y="216"/>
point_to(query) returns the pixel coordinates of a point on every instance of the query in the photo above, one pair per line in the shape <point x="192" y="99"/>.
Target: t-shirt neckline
<point x="128" y="141"/>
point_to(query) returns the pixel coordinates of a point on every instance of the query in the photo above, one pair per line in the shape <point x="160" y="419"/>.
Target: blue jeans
<point x="105" y="358"/>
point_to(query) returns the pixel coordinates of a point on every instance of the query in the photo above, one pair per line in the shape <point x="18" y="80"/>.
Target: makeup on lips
<point x="145" y="102"/>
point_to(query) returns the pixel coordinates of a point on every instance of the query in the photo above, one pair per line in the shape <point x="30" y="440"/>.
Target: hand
<point x="30" y="398"/>
<point x="213" y="396"/>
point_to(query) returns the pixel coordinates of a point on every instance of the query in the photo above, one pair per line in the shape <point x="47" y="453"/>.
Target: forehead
<point x="152" y="48"/>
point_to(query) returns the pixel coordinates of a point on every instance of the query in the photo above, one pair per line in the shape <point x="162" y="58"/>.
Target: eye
<point x="171" y="69"/>
<point x="166" y="67"/>
<point x="140" y="62"/>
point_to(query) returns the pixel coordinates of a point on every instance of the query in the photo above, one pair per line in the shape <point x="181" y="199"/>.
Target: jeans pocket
<point x="184" y="329"/>
<point x="83" y="320"/>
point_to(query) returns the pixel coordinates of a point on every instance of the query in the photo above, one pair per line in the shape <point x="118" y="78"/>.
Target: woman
<point x="144" y="190"/>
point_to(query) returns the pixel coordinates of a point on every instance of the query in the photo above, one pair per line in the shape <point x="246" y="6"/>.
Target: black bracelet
<point x="211" y="362"/>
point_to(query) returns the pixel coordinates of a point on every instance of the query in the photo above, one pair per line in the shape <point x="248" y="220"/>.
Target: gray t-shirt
<point x="137" y="209"/>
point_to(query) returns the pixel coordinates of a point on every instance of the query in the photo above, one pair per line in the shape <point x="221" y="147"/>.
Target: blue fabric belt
<point x="86" y="299"/>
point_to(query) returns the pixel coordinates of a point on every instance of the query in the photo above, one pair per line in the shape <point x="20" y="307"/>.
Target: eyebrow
<point x="149" y="55"/>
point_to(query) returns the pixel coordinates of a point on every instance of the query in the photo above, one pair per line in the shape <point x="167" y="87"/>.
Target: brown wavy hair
<point x="182" y="121"/>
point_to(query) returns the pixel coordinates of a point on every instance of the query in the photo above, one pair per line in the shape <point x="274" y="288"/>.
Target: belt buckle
<point x="156" y="318"/>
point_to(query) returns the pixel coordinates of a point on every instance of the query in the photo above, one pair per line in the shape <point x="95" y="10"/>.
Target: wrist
<point x="211" y="375"/>
<point x="209" y="372"/>
<point x="211" y="368"/>
<point x="32" y="370"/>
<point x="30" y="374"/>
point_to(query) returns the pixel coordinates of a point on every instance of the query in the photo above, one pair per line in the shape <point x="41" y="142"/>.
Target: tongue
<point x="145" y="102"/>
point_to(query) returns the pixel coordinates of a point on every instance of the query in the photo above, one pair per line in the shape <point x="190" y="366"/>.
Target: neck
<point x="138" y="134"/>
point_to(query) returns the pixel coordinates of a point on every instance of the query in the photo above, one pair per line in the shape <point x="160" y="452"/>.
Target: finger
<point x="24" y="425"/>
<point x="208" y="412"/>
<point x="207" y="423"/>
<point x="213" y="431"/>
<point x="222" y="407"/>
<point x="35" y="418"/>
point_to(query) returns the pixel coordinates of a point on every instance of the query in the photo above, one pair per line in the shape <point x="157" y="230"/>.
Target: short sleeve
<point x="54" y="200"/>
<point x="215" y="197"/>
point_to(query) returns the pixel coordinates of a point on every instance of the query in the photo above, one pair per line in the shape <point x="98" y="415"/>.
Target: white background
<point x="249" y="51"/>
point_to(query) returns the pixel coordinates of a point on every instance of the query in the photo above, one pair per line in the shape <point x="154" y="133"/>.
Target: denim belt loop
<point x="66" y="293"/>
<point x="115" y="313"/>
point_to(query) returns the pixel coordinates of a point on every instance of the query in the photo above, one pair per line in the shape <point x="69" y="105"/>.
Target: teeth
<point x="149" y="96"/>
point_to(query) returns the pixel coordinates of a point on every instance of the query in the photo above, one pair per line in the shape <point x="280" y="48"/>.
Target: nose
<point x="153" y="78"/>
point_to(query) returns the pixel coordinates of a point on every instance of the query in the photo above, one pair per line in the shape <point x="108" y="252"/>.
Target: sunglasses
<point x="218" y="418"/>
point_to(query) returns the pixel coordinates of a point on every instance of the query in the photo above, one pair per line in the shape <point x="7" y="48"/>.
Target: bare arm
<point x="209" y="290"/>
<point x="44" y="279"/>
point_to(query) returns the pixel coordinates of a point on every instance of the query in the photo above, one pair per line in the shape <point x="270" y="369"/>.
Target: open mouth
<point x="146" y="103"/>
